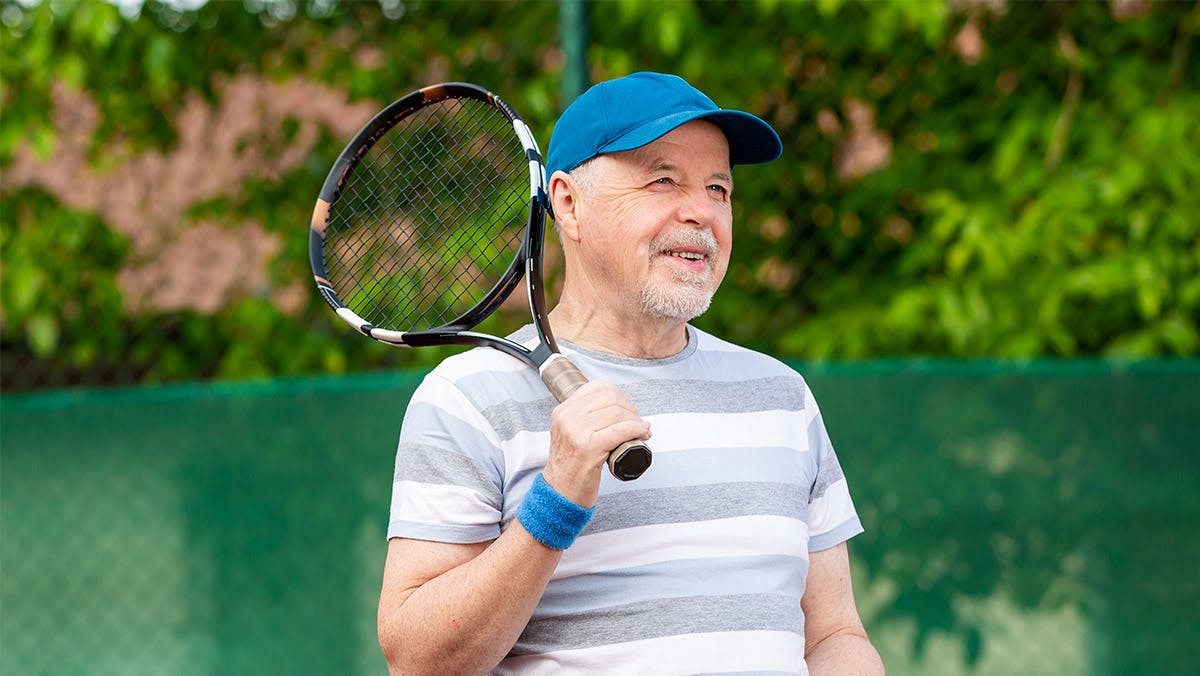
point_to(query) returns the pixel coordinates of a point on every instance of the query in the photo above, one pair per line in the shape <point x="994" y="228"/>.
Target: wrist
<point x="550" y="518"/>
<point x="574" y="487"/>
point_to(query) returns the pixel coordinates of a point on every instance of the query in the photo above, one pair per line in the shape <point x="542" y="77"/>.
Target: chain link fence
<point x="1034" y="520"/>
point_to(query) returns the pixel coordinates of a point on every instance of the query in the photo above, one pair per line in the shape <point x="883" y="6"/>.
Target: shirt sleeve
<point x="449" y="469"/>
<point x="832" y="518"/>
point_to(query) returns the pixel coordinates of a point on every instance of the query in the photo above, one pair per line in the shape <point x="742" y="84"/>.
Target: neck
<point x="600" y="329"/>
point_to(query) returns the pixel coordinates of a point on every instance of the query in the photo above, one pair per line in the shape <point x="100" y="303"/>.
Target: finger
<point x="596" y="395"/>
<point x="580" y="425"/>
<point x="610" y="437"/>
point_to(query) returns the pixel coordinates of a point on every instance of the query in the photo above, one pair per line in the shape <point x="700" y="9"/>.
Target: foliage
<point x="960" y="179"/>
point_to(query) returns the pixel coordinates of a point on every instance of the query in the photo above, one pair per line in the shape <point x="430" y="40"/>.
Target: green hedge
<point x="1014" y="180"/>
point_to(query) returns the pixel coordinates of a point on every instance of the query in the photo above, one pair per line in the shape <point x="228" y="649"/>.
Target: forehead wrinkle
<point x="645" y="156"/>
<point x="656" y="164"/>
<point x="662" y="165"/>
<point x="668" y="166"/>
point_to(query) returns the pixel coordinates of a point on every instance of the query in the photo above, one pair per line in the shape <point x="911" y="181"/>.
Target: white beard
<point x="688" y="294"/>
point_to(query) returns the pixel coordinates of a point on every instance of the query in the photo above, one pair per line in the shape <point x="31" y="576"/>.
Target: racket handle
<point x="562" y="377"/>
<point x="627" y="461"/>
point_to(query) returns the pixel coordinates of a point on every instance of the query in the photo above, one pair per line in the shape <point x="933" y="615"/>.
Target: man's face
<point x="656" y="223"/>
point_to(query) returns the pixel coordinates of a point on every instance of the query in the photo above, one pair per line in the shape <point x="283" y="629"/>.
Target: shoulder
<point x="756" y="376"/>
<point x="484" y="377"/>
<point x="466" y="366"/>
<point x="736" y="358"/>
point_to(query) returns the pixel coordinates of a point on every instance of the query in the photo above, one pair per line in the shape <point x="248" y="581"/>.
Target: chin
<point x="676" y="306"/>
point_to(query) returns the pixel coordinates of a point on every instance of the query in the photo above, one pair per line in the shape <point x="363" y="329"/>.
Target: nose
<point x="697" y="207"/>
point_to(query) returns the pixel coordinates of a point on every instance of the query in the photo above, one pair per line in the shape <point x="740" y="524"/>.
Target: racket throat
<point x="542" y="355"/>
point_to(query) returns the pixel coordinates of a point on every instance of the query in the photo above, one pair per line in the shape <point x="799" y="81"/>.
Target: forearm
<point x="466" y="620"/>
<point x="845" y="654"/>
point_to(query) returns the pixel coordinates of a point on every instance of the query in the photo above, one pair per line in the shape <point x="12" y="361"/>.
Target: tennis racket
<point x="429" y="219"/>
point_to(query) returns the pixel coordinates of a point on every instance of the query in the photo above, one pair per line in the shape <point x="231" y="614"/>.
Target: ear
<point x="564" y="203"/>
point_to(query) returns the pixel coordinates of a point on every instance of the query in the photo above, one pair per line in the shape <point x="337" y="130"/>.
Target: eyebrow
<point x="664" y="165"/>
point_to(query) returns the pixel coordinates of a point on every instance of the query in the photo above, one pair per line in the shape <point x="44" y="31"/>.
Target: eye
<point x="719" y="189"/>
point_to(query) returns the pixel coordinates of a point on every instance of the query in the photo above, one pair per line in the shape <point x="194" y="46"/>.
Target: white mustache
<point x="700" y="239"/>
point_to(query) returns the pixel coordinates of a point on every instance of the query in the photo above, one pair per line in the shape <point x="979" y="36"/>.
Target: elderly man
<point x="513" y="552"/>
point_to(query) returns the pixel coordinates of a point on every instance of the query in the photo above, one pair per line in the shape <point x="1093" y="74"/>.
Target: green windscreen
<point x="1037" y="519"/>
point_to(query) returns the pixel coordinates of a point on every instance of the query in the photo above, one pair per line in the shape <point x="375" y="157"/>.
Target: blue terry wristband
<point x="550" y="518"/>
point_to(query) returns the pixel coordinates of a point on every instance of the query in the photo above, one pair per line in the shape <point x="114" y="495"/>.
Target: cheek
<point x="615" y="242"/>
<point x="632" y="227"/>
<point x="611" y="212"/>
<point x="721" y="266"/>
<point x="724" y="235"/>
<point x="723" y="231"/>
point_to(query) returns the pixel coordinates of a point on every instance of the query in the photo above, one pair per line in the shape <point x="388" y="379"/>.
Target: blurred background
<point x="981" y="248"/>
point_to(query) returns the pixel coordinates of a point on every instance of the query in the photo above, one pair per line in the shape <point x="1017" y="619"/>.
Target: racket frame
<point x="562" y="377"/>
<point x="458" y="330"/>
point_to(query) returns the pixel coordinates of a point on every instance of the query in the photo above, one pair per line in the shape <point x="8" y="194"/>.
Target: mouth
<point x="687" y="261"/>
<point x="687" y="254"/>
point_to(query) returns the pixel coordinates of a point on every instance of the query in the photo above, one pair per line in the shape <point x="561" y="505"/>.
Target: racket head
<point x="426" y="221"/>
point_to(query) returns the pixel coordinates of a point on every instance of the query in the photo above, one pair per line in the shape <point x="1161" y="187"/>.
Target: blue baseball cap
<point x="637" y="109"/>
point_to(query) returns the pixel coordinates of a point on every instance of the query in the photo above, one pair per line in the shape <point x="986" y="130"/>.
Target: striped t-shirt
<point x="699" y="565"/>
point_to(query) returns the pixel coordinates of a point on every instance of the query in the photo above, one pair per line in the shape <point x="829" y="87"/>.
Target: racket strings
<point x="456" y="192"/>
<point x="431" y="217"/>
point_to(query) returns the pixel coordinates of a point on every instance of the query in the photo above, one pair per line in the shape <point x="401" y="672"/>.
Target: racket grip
<point x="627" y="461"/>
<point x="562" y="377"/>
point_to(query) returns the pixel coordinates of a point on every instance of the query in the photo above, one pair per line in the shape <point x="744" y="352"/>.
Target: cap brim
<point x="751" y="140"/>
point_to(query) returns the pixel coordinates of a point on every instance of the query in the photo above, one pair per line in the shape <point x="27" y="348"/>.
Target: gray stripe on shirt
<point x="677" y="578"/>
<point x="426" y="424"/>
<point x="686" y="504"/>
<point x="829" y="470"/>
<point x="662" y="617"/>
<point x="432" y="465"/>
<point x="777" y="393"/>
<point x="661" y="397"/>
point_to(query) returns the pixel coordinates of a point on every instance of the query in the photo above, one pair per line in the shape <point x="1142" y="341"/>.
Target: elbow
<point x="392" y="644"/>
<point x="402" y="660"/>
<point x="848" y="651"/>
<point x="391" y="650"/>
<point x="389" y="631"/>
<point x="399" y="661"/>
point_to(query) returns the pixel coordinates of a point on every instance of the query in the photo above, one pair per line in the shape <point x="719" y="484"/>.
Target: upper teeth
<point x="686" y="254"/>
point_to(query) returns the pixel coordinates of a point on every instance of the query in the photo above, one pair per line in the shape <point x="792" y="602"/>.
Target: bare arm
<point x="834" y="638"/>
<point x="448" y="608"/>
<point x="459" y="608"/>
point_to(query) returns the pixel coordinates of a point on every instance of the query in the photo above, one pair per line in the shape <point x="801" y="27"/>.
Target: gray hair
<point x="584" y="177"/>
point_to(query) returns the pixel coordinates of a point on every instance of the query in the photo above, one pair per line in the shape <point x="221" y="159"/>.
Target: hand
<point x="593" y="421"/>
